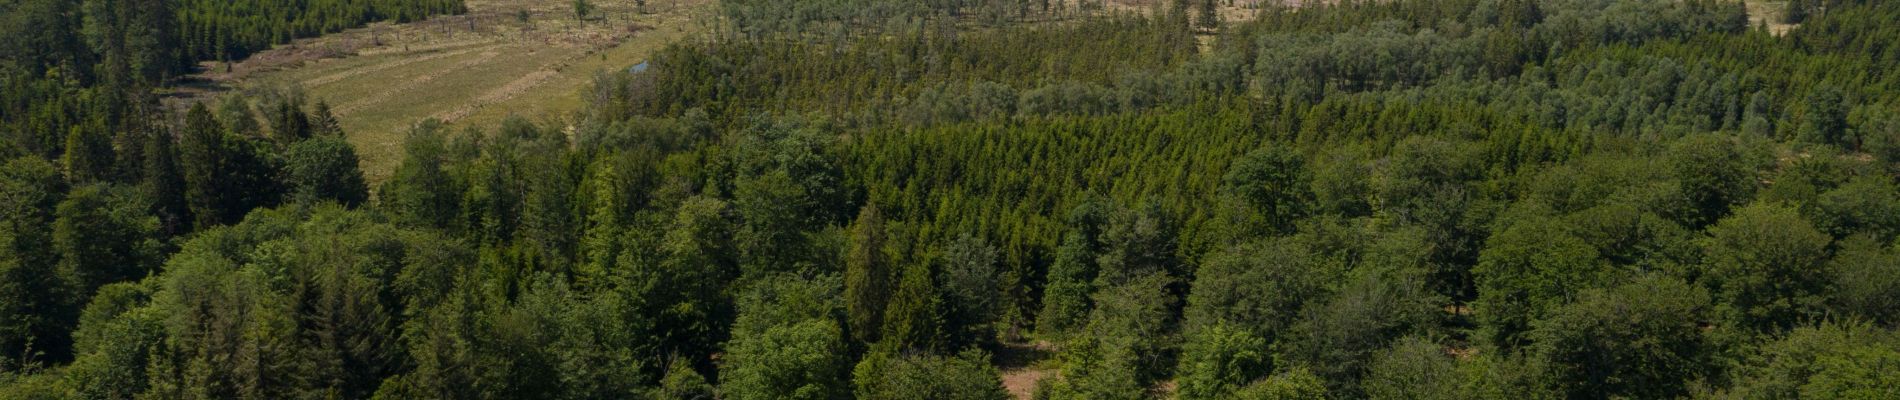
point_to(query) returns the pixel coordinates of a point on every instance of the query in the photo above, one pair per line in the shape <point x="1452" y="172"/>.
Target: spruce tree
<point x="581" y="9"/>
<point x="867" y="276"/>
<point x="1826" y="119"/>
<point x="1209" y="15"/>
<point x="1797" y="12"/>
<point x="32" y="299"/>
<point x="88" y="156"/>
<point x="913" y="320"/>
<point x="421" y="193"/>
<point x="323" y="122"/>
<point x="289" y="124"/>
<point x="202" y="158"/>
<point x="163" y="184"/>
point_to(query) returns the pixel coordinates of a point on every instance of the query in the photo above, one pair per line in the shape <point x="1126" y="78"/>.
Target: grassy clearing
<point x="1768" y="13"/>
<point x="468" y="70"/>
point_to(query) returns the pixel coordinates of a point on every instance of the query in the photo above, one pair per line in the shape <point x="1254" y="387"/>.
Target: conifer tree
<point x="323" y="122"/>
<point x="914" y="320"/>
<point x="422" y="193"/>
<point x="33" y="324"/>
<point x="289" y="124"/>
<point x="163" y="184"/>
<point x="868" y="276"/>
<point x="88" y="156"/>
<point x="1796" y="12"/>
<point x="202" y="160"/>
<point x="1209" y="18"/>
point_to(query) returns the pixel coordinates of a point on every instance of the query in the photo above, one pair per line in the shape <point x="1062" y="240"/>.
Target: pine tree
<point x="867" y="276"/>
<point x="914" y="320"/>
<point x="289" y="124"/>
<point x="1178" y="13"/>
<point x="1826" y="119"/>
<point x="32" y="302"/>
<point x="1797" y="12"/>
<point x="581" y="9"/>
<point x="163" y="185"/>
<point x="203" y="159"/>
<point x="128" y="151"/>
<point x="323" y="122"/>
<point x="421" y="193"/>
<point x="972" y="293"/>
<point x="1071" y="279"/>
<point x="1209" y="15"/>
<point x="88" y="156"/>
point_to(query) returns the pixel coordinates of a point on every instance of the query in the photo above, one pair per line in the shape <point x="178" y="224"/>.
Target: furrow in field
<point x="379" y="97"/>
<point x="354" y="72"/>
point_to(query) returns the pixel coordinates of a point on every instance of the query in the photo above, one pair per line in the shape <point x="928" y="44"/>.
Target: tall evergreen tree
<point x="869" y="277"/>
<point x="163" y="184"/>
<point x="323" y="121"/>
<point x="972" y="289"/>
<point x="1071" y="279"/>
<point x="33" y="302"/>
<point x="289" y="124"/>
<point x="88" y="156"/>
<point x="1825" y="120"/>
<point x="203" y="161"/>
<point x="914" y="319"/>
<point x="1796" y="12"/>
<point x="1209" y="15"/>
<point x="422" y="193"/>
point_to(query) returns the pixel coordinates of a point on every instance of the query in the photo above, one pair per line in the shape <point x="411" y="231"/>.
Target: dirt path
<point x="1024" y="365"/>
<point x="1022" y="383"/>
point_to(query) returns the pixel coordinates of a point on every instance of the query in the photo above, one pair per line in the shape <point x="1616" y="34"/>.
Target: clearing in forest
<point x="505" y="57"/>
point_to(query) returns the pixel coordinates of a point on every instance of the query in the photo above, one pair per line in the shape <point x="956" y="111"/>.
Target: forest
<point x="894" y="199"/>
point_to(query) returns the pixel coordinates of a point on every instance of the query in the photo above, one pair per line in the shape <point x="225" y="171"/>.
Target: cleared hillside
<point x="505" y="57"/>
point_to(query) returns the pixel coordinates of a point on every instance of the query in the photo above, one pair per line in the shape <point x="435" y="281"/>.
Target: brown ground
<point x="1024" y="365"/>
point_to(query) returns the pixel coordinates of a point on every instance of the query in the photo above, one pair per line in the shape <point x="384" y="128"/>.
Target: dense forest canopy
<point x="879" y="199"/>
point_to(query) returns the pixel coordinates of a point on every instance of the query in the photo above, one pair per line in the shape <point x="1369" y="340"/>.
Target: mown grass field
<point x="467" y="70"/>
